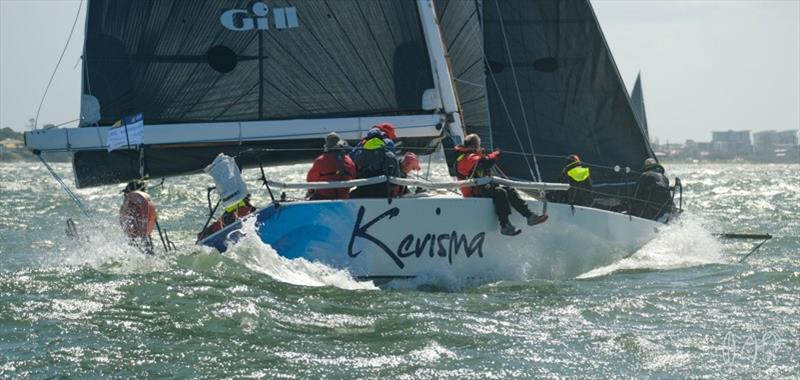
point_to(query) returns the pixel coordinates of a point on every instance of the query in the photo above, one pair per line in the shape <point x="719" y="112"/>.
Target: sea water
<point x="681" y="307"/>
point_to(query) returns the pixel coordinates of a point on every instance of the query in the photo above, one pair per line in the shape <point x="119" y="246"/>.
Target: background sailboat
<point x="637" y="102"/>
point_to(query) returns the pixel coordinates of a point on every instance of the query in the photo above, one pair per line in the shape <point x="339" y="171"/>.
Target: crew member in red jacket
<point x="332" y="165"/>
<point x="473" y="163"/>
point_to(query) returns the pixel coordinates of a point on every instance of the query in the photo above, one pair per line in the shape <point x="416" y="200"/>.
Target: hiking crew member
<point x="137" y="215"/>
<point x="653" y="197"/>
<point x="374" y="158"/>
<point x="231" y="215"/>
<point x="580" y="183"/>
<point x="332" y="165"/>
<point x="233" y="193"/>
<point x="473" y="163"/>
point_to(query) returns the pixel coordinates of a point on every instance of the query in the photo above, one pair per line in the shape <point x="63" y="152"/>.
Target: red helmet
<point x="388" y="130"/>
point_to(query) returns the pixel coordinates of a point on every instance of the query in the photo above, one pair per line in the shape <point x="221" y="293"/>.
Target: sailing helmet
<point x="388" y="130"/>
<point x="410" y="162"/>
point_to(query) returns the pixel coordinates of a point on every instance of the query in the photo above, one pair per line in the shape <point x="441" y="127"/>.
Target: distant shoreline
<point x="668" y="161"/>
<point x="24" y="155"/>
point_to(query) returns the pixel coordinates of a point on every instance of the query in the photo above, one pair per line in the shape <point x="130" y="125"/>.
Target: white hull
<point x="446" y="236"/>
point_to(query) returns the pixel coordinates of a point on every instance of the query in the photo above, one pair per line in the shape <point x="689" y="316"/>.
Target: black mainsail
<point x="545" y="83"/>
<point x="200" y="63"/>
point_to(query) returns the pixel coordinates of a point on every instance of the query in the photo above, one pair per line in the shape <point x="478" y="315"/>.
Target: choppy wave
<point x="258" y="256"/>
<point x="681" y="307"/>
<point x="685" y="242"/>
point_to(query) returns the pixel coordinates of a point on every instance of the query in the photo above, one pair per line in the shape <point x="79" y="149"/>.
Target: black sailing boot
<point x="534" y="219"/>
<point x="509" y="230"/>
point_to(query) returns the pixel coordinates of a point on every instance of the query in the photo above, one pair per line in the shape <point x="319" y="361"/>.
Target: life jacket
<point x="331" y="166"/>
<point x="577" y="172"/>
<point x="371" y="134"/>
<point x="231" y="215"/>
<point x="137" y="216"/>
<point x="579" y="179"/>
<point x="470" y="164"/>
<point x="374" y="159"/>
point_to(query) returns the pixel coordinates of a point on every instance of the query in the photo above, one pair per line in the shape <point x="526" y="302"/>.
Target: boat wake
<point x="259" y="257"/>
<point x="683" y="243"/>
<point x="103" y="246"/>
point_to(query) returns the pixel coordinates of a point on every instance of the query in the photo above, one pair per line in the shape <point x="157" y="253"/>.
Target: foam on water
<point x="102" y="245"/>
<point x="685" y="242"/>
<point x="258" y="256"/>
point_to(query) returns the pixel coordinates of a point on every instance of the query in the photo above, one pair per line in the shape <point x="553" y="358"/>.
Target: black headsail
<point x="187" y="62"/>
<point x="551" y="86"/>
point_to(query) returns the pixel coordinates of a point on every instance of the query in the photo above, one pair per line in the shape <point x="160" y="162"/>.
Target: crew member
<point x="580" y="182"/>
<point x="408" y="163"/>
<point x="332" y="165"/>
<point x="388" y="134"/>
<point x="233" y="193"/>
<point x="230" y="216"/>
<point x="473" y="163"/>
<point x="652" y="195"/>
<point x="372" y="160"/>
<point x="137" y="215"/>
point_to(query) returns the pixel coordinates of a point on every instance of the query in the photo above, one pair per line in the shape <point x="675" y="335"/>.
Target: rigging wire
<point x="508" y="113"/>
<point x="516" y="85"/>
<point x="55" y="70"/>
<point x="66" y="188"/>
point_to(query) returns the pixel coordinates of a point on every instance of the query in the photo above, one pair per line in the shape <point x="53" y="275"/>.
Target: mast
<point x="441" y="70"/>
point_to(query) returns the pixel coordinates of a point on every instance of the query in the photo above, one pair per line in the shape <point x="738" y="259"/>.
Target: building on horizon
<point x="775" y="145"/>
<point x="729" y="144"/>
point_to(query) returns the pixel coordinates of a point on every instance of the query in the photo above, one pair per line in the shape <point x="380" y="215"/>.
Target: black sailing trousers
<point x="504" y="198"/>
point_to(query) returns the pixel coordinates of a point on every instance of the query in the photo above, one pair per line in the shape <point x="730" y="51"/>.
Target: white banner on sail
<point x="130" y="133"/>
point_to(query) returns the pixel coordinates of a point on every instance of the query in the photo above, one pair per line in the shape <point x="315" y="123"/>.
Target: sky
<point x="706" y="65"/>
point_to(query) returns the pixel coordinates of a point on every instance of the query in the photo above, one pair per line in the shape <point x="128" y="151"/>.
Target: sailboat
<point x="264" y="82"/>
<point x="637" y="101"/>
